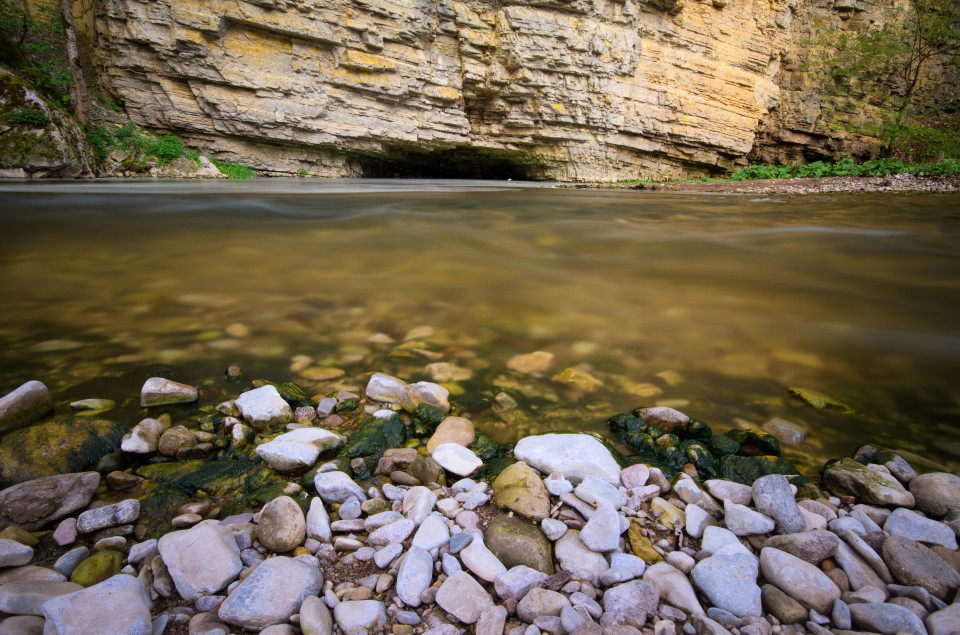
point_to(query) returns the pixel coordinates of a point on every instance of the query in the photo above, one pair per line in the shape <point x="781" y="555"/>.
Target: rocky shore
<point x="898" y="183"/>
<point x="272" y="516"/>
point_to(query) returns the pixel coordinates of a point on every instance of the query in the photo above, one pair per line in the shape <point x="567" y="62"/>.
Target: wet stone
<point x="157" y="391"/>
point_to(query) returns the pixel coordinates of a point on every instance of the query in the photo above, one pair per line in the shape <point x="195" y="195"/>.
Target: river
<point x="714" y="304"/>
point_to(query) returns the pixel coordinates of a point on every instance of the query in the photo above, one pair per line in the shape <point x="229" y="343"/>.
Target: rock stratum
<point x="571" y="90"/>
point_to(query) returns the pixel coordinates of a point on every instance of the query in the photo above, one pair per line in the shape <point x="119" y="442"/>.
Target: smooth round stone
<point x="350" y="509"/>
<point x="674" y="587"/>
<point x="66" y="563"/>
<point x="264" y="408"/>
<point x="394" y="532"/>
<point x="910" y="524"/>
<point x="432" y="533"/>
<point x="602" y="531"/>
<point x="457" y="459"/>
<point x="573" y="455"/>
<point x="336" y="487"/>
<point x="14" y="554"/>
<point x="481" y="561"/>
<point x="282" y="526"/>
<point x="66" y="532"/>
<point x="773" y="497"/>
<point x="449" y="564"/>
<point x="716" y="537"/>
<point x="452" y="430"/>
<point x="385" y="388"/>
<point x="728" y="490"/>
<point x="315" y="617"/>
<point x="425" y="392"/>
<point x="144" y="438"/>
<point x="574" y="556"/>
<point x="185" y="520"/>
<point x="201" y="560"/>
<point x="731" y="583"/>
<point x="681" y="561"/>
<point x="157" y="391"/>
<point x="271" y="594"/>
<point x="536" y="363"/>
<point x="635" y="476"/>
<point x="697" y="520"/>
<point x="388" y="554"/>
<point x="798" y="579"/>
<point x="318" y="521"/>
<point x="463" y="597"/>
<point x="812" y="546"/>
<point x="540" y="602"/>
<point x="520" y="489"/>
<point x="913" y="564"/>
<point x="936" y="494"/>
<point x="97" y="568"/>
<point x="623" y="567"/>
<point x="782" y="606"/>
<point x="515" y="541"/>
<point x="743" y="521"/>
<point x="553" y="529"/>
<point x="26" y="597"/>
<point x="597" y="492"/>
<point x="361" y="616"/>
<point x="415" y="575"/>
<point x="557" y="485"/>
<point x="417" y="504"/>
<point x="22" y="625"/>
<point x="886" y="619"/>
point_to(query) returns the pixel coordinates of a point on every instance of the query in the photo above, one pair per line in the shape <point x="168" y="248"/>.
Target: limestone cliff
<point x="560" y="89"/>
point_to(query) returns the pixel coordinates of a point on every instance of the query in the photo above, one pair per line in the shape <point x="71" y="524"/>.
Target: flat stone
<point x="730" y="582"/>
<point x="811" y="546"/>
<point x="32" y="504"/>
<point x="22" y="625"/>
<point x="282" y="526"/>
<point x="481" y="561"/>
<point x="318" y="521"/>
<point x="540" y="602"/>
<point x="623" y="568"/>
<point x="574" y="556"/>
<point x="271" y="594"/>
<point x="635" y="476"/>
<point x="553" y="529"/>
<point x="264" y="409"/>
<point x="298" y="449"/>
<point x="849" y="478"/>
<point x="26" y="597"/>
<point x="773" y="497"/>
<point x="631" y="603"/>
<point x="913" y="564"/>
<point x="116" y="606"/>
<point x="29" y="572"/>
<point x="415" y="576"/>
<point x="573" y="455"/>
<point x="937" y="493"/>
<point x="463" y="597"/>
<point x="602" y="531"/>
<point x="515" y="582"/>
<point x="744" y="521"/>
<point x="360" y="617"/>
<point x="336" y="487"/>
<point x="515" y="541"/>
<point x="910" y="524"/>
<point x="886" y="619"/>
<point x="122" y="513"/>
<point x="387" y="555"/>
<point x="520" y="489"/>
<point x="674" y="587"/>
<point x="158" y="391"/>
<point x="24" y="405"/>
<point x="799" y="579"/>
<point x="536" y="363"/>
<point x="14" y="554"/>
<point x="598" y="492"/>
<point x="449" y="564"/>
<point x="66" y="563"/>
<point x="728" y="490"/>
<point x="459" y="541"/>
<point x="697" y="521"/>
<point x="452" y="430"/>
<point x="201" y="560"/>
<point x="456" y="459"/>
<point x="840" y="615"/>
<point x="432" y="533"/>
<point x="394" y="532"/>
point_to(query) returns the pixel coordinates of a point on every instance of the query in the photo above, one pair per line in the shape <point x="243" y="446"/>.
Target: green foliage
<point x="101" y="140"/>
<point x="41" y="55"/>
<point x="234" y="170"/>
<point x="165" y="148"/>
<point x="107" y="102"/>
<point x="29" y="116"/>
<point x="846" y="167"/>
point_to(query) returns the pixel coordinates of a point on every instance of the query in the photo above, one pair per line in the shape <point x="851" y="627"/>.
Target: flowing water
<point x="714" y="304"/>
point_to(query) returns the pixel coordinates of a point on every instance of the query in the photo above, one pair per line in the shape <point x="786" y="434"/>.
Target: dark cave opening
<point x="452" y="163"/>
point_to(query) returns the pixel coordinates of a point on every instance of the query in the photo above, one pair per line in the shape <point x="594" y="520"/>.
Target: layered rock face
<point x="555" y="89"/>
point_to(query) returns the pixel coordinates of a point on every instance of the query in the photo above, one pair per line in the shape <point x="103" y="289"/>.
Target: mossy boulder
<point x="58" y="446"/>
<point x="846" y="477"/>
<point x="516" y="541"/>
<point x="369" y="442"/>
<point x="58" y="148"/>
<point x="97" y="568"/>
<point x="747" y="469"/>
<point x="293" y="394"/>
<point x="520" y="489"/>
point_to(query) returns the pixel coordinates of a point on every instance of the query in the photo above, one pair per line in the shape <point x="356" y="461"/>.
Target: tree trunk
<point x="81" y="98"/>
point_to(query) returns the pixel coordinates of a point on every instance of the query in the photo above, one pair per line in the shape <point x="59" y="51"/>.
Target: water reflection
<point x="713" y="303"/>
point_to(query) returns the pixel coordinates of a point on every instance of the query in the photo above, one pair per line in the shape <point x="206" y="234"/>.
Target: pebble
<point x="598" y="492"/>
<point x="282" y="526"/>
<point x="913" y="564"/>
<point x="394" y="532"/>
<point x="602" y="531"/>
<point x="122" y="513"/>
<point x="418" y="502"/>
<point x="811" y="546"/>
<point x="271" y="594"/>
<point x="743" y="521"/>
<point x="157" y="391"/>
<point x="463" y="597"/>
<point x="14" y="554"/>
<point x="116" y="605"/>
<point x="697" y="520"/>
<point x="773" y="497"/>
<point x="553" y="529"/>
<point x="201" y="560"/>
<point x="573" y="455"/>
<point x="362" y="616"/>
<point x="415" y="575"/>
<point x="730" y="582"/>
<point x="264" y="408"/>
<point x="459" y="541"/>
<point x="798" y="579"/>
<point x="631" y="603"/>
<point x="337" y="487"/>
<point x="297" y="449"/>
<point x="456" y="459"/>
<point x="581" y="561"/>
<point x="481" y="561"/>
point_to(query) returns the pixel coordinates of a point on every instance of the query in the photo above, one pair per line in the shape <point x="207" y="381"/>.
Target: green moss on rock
<point x="97" y="568"/>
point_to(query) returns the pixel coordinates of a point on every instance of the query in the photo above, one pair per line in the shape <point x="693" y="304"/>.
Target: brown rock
<point x="176" y="438"/>
<point x="520" y="489"/>
<point x="35" y="503"/>
<point x="913" y="564"/>
<point x="452" y="430"/>
<point x="782" y="606"/>
<point x="516" y="541"/>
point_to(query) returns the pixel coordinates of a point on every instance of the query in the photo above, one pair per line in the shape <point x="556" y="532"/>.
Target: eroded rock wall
<point x="570" y="89"/>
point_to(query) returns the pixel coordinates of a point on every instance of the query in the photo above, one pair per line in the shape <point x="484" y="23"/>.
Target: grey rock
<point x="360" y="617"/>
<point x="450" y="565"/>
<point x="122" y="513"/>
<point x="385" y="388"/>
<point x="913" y="564"/>
<point x="570" y="619"/>
<point x="336" y="487"/>
<point x="13" y="554"/>
<point x="945" y="621"/>
<point x="703" y="625"/>
<point x="417" y="504"/>
<point x="539" y="602"/>
<point x="730" y="582"/>
<point x="375" y="522"/>
<point x="869" y="525"/>
<point x="557" y="484"/>
<point x="553" y="528"/>
<point x="394" y="532"/>
<point x="264" y="408"/>
<point x="886" y="619"/>
<point x="602" y="531"/>
<point x="847" y="477"/>
<point x="910" y="524"/>
<point x="573" y="455"/>
<point x="937" y="493"/>
<point x="416" y="574"/>
<point x="697" y="520"/>
<point x="716" y="537"/>
<point x="26" y="597"/>
<point x="773" y="497"/>
<point x="201" y="560"/>
<point x="24" y="405"/>
<point x="459" y="541"/>
<point x="481" y="561"/>
<point x="744" y="521"/>
<point x="432" y="533"/>
<point x="599" y="492"/>
<point x="410" y="618"/>
<point x="144" y="438"/>
<point x="812" y="546"/>
<point x="515" y="582"/>
<point x="840" y="615"/>
<point x="66" y="563"/>
<point x="728" y="490"/>
<point x="271" y="594"/>
<point x="29" y="572"/>
<point x="22" y="625"/>
<point x="631" y="603"/>
<point x="388" y="554"/>
<point x="871" y="557"/>
<point x="674" y="587"/>
<point x="798" y="579"/>
<point x="282" y="526"/>
<point x="350" y="509"/>
<point x="33" y="504"/>
<point x="840" y="526"/>
<point x="782" y="606"/>
<point x="463" y="597"/>
<point x="492" y="620"/>
<point x="116" y="606"/>
<point x="574" y="556"/>
<point x="140" y="550"/>
<point x="623" y="567"/>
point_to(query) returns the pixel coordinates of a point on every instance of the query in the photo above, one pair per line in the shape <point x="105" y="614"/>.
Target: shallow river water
<point x="714" y="304"/>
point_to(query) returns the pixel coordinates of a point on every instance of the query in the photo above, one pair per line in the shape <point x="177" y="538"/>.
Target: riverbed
<point x="715" y="304"/>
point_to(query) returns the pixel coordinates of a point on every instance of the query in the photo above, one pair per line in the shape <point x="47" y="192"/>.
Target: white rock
<point x="598" y="492"/>
<point x="681" y="561"/>
<point x="799" y="579"/>
<point x="122" y="513"/>
<point x="728" y="490"/>
<point x="556" y="484"/>
<point x="730" y="582"/>
<point x="425" y="392"/>
<point x="394" y="532"/>
<point x="336" y="487"/>
<point x="417" y="503"/>
<point x="481" y="560"/>
<point x="415" y="575"/>
<point x="318" y="521"/>
<point x="387" y="555"/>
<point x="24" y="405"/>
<point x="602" y="531"/>
<point x="690" y="494"/>
<point x="697" y="520"/>
<point x="674" y="587"/>
<point x="573" y="455"/>
<point x="463" y="597"/>
<point x="158" y="391"/>
<point x="201" y="560"/>
<point x="144" y="438"/>
<point x="385" y="388"/>
<point x="716" y="537"/>
<point x="432" y="534"/>
<point x="553" y="529"/>
<point x="578" y="559"/>
<point x="456" y="459"/>
<point x="744" y="521"/>
<point x="116" y="606"/>
<point x="14" y="554"/>
<point x="264" y="408"/>
<point x="298" y="449"/>
<point x="360" y="616"/>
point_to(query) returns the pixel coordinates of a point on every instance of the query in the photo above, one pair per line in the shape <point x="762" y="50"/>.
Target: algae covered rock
<point x="59" y="446"/>
<point x="369" y="442"/>
<point x="97" y="568"/>
<point x="847" y="477"/>
<point x="515" y="541"/>
<point x="520" y="489"/>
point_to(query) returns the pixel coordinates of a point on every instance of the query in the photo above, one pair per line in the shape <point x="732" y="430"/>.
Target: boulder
<point x="116" y="606"/>
<point x="573" y="455"/>
<point x="35" y="503"/>
<point x="271" y="594"/>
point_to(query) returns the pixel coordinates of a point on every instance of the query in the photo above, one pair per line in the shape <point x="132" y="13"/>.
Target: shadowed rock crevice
<point x="454" y="163"/>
